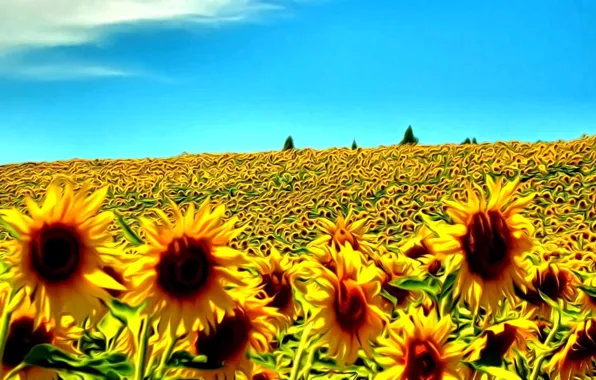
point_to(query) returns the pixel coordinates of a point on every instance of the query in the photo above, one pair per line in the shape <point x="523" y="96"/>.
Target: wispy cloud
<point x="29" y="25"/>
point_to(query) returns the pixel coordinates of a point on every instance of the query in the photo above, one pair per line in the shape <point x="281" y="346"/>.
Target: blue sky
<point x="157" y="78"/>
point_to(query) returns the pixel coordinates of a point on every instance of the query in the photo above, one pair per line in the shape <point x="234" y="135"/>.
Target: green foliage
<point x="467" y="141"/>
<point x="409" y="137"/>
<point x="354" y="145"/>
<point x="289" y="144"/>
<point x="474" y="140"/>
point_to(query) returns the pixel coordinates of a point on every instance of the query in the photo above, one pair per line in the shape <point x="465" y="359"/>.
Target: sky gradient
<point x="243" y="75"/>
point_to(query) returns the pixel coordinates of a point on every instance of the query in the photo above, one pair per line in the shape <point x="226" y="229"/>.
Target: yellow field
<point x="280" y="199"/>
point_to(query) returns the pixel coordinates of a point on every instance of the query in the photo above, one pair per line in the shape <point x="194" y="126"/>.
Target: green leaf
<point x="589" y="290"/>
<point x="112" y="366"/>
<point x="11" y="231"/>
<point x="498" y="372"/>
<point x="129" y="234"/>
<point x="429" y="284"/>
<point x="183" y="359"/>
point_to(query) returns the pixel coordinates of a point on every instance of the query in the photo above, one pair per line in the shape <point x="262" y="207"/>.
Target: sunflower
<point x="58" y="256"/>
<point x="497" y="341"/>
<point x="577" y="356"/>
<point x="588" y="301"/>
<point x="555" y="281"/>
<point x="416" y="348"/>
<point x="276" y="278"/>
<point x="393" y="267"/>
<point x="346" y="306"/>
<point x="260" y="372"/>
<point x="185" y="268"/>
<point x="244" y="329"/>
<point x="344" y="230"/>
<point x="486" y="243"/>
<point x="24" y="333"/>
<point x="418" y="246"/>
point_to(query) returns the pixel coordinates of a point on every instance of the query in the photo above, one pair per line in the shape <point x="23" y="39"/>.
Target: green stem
<point x="549" y="338"/>
<point x="299" y="352"/>
<point x="142" y="355"/>
<point x="166" y="355"/>
<point x="4" y="326"/>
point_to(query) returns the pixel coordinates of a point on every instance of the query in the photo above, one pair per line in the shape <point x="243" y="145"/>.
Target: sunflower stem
<point x="549" y="338"/>
<point x="300" y="351"/>
<point x="4" y="326"/>
<point x="142" y="355"/>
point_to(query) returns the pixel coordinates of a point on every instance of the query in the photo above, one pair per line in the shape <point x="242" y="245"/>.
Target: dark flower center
<point x="184" y="267"/>
<point x="117" y="276"/>
<point x="350" y="306"/>
<point x="400" y="294"/>
<point x="55" y="253"/>
<point x="228" y="339"/>
<point x="434" y="267"/>
<point x="486" y="244"/>
<point x="278" y="288"/>
<point x="22" y="337"/>
<point x="551" y="284"/>
<point x="497" y="345"/>
<point x="584" y="347"/>
<point x="341" y="237"/>
<point x="260" y="376"/>
<point x="417" y="251"/>
<point x="423" y="362"/>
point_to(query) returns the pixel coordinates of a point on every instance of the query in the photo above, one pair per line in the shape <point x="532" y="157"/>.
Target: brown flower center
<point x="260" y="376"/>
<point x="400" y="294"/>
<point x="343" y="236"/>
<point x="117" y="276"/>
<point x="229" y="339"/>
<point x="423" y="362"/>
<point x="278" y="288"/>
<point x="55" y="253"/>
<point x="497" y="345"/>
<point x="551" y="283"/>
<point x="417" y="251"/>
<point x="585" y="346"/>
<point x="434" y="267"/>
<point x="486" y="244"/>
<point x="22" y="337"/>
<point x="184" y="267"/>
<point x="350" y="306"/>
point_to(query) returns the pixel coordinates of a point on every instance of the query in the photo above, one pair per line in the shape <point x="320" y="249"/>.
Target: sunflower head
<point x="346" y="305"/>
<point x="246" y="328"/>
<point x="418" y="246"/>
<point x="394" y="267"/>
<point x="588" y="300"/>
<point x="497" y="341"/>
<point x="25" y="332"/>
<point x="186" y="268"/>
<point x="60" y="250"/>
<point x="577" y="356"/>
<point x="344" y="231"/>
<point x="417" y="347"/>
<point x="487" y="242"/>
<point x="277" y="275"/>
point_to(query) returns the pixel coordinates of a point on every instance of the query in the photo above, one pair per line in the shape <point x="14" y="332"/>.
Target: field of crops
<point x="402" y="262"/>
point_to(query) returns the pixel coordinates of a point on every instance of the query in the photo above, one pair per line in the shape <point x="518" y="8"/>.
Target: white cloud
<point x="47" y="23"/>
<point x="30" y="25"/>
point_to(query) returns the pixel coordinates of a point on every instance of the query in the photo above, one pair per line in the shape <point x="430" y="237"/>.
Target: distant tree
<point x="354" y="145"/>
<point x="474" y="140"/>
<point x="409" y="137"/>
<point x="467" y="141"/>
<point x="289" y="144"/>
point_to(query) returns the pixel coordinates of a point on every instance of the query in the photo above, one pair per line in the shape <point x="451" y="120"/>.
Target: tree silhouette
<point x="467" y="141"/>
<point x="474" y="140"/>
<point x="289" y="144"/>
<point x="354" y="145"/>
<point x="409" y="137"/>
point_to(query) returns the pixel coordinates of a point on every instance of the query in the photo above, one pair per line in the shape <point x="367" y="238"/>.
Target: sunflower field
<point x="402" y="262"/>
